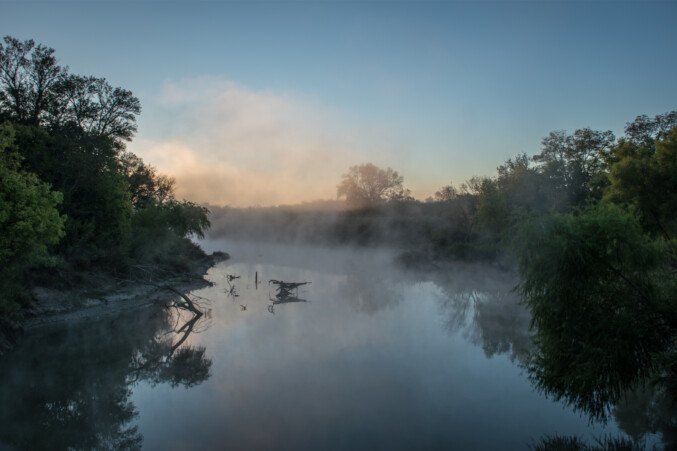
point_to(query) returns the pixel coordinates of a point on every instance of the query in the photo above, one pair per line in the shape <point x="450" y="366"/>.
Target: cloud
<point x="229" y="145"/>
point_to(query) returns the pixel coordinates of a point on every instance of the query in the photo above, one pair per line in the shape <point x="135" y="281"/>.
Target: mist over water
<point x="365" y="356"/>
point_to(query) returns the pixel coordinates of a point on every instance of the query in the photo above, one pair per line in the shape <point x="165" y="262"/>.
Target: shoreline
<point x="55" y="308"/>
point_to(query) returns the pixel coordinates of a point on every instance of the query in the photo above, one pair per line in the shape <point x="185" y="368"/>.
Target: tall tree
<point x="570" y="162"/>
<point x="368" y="185"/>
<point x="35" y="90"/>
<point x="645" y="176"/>
<point x="27" y="76"/>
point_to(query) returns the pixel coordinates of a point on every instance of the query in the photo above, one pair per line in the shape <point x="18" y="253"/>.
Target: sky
<point x="269" y="103"/>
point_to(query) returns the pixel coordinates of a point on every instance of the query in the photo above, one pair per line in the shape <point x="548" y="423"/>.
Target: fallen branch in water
<point x="284" y="289"/>
<point x="188" y="304"/>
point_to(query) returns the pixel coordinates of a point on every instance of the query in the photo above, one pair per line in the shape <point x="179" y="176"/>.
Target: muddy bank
<point x="103" y="296"/>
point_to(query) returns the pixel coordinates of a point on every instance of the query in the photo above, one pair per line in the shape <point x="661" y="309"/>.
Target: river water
<point x="365" y="356"/>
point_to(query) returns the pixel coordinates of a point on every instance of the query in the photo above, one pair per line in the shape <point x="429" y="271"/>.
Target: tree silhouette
<point x="367" y="185"/>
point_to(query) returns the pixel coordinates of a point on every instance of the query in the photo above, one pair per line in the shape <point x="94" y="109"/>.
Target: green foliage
<point x="571" y="162"/>
<point x="144" y="183"/>
<point x="95" y="195"/>
<point x="29" y="220"/>
<point x="600" y="294"/>
<point x="492" y="211"/>
<point x="68" y="132"/>
<point x="645" y="177"/>
<point x="160" y="231"/>
<point x="187" y="218"/>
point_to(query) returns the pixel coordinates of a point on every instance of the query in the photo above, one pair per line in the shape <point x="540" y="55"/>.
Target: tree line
<point x="72" y="198"/>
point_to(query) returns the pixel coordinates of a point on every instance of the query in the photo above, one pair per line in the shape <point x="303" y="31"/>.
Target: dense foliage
<point x="599" y="278"/>
<point x="71" y="195"/>
<point x="29" y="219"/>
<point x="601" y="294"/>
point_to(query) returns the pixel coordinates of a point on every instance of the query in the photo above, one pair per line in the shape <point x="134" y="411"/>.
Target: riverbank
<point x="104" y="295"/>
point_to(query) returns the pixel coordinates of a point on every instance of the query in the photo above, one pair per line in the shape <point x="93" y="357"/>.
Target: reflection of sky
<point x="331" y="374"/>
<point x="241" y="100"/>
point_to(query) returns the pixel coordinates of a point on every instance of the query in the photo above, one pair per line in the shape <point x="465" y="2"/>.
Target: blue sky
<point x="270" y="102"/>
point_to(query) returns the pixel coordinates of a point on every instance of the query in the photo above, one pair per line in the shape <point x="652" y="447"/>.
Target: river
<point x="364" y="356"/>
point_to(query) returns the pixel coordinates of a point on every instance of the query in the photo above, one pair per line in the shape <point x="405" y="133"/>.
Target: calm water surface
<point x="368" y="357"/>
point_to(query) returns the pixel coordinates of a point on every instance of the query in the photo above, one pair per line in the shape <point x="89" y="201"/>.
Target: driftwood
<point x="284" y="289"/>
<point x="150" y="271"/>
<point x="188" y="302"/>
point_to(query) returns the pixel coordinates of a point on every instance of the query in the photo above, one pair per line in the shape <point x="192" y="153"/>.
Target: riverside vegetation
<point x="73" y="201"/>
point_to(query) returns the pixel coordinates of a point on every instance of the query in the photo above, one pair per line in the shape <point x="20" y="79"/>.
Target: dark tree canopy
<point x="35" y="90"/>
<point x="69" y="190"/>
<point x="600" y="294"/>
<point x="446" y="193"/>
<point x="145" y="184"/>
<point x="645" y="177"/>
<point x="570" y="162"/>
<point x="644" y="131"/>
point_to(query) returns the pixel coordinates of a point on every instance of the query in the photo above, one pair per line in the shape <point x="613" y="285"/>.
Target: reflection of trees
<point x="503" y="326"/>
<point x="645" y="411"/>
<point x="369" y="293"/>
<point x="166" y="359"/>
<point x="70" y="389"/>
<point x="478" y="301"/>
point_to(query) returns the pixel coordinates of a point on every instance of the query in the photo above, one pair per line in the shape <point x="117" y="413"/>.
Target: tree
<point x="601" y="294"/>
<point x="35" y="90"/>
<point x="29" y="220"/>
<point x="95" y="196"/>
<point x="95" y="106"/>
<point x="446" y="193"/>
<point x="27" y="74"/>
<point x="570" y="162"/>
<point x="492" y="211"/>
<point x="145" y="184"/>
<point x="644" y="176"/>
<point x="368" y="185"/>
<point x="644" y="131"/>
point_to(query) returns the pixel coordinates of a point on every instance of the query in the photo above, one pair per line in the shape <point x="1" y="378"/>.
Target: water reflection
<point x="378" y="358"/>
<point x="286" y="292"/>
<point x="70" y="388"/>
<point x="478" y="302"/>
<point x="648" y="411"/>
<point x="371" y="292"/>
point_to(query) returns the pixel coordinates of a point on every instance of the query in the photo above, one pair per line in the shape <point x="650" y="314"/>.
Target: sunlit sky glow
<point x="265" y="103"/>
